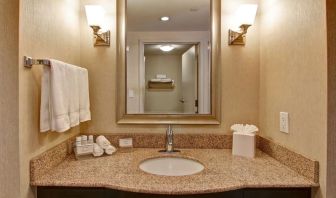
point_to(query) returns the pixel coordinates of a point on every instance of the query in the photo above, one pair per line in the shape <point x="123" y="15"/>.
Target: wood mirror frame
<point x="195" y="119"/>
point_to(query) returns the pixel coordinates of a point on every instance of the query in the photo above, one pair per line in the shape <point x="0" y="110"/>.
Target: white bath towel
<point x="84" y="99"/>
<point x="45" y="111"/>
<point x="110" y="150"/>
<point x="73" y="78"/>
<point x="103" y="142"/>
<point x="54" y="98"/>
<point x="97" y="150"/>
<point x="64" y="97"/>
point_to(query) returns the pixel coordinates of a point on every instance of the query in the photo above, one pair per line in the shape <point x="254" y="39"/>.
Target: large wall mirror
<point x="168" y="61"/>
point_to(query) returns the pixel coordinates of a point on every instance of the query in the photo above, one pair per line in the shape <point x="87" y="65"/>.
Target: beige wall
<point x="158" y="101"/>
<point x="9" y="110"/>
<point x="293" y="76"/>
<point x="49" y="29"/>
<point x="240" y="79"/>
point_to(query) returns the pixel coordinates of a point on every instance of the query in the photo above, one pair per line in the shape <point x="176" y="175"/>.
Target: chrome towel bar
<point x="29" y="62"/>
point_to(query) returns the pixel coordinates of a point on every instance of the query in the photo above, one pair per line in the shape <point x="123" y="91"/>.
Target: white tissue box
<point x="244" y="145"/>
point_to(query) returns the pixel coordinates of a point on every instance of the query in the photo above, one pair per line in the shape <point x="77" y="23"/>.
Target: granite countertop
<point x="223" y="172"/>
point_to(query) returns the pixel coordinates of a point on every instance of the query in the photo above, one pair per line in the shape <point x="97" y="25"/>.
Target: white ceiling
<point x="185" y="15"/>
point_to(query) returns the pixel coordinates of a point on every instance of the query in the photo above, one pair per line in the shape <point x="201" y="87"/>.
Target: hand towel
<point x="155" y="80"/>
<point x="45" y="116"/>
<point x="110" y="150"/>
<point x="55" y="98"/>
<point x="73" y="73"/>
<point x="97" y="150"/>
<point x="103" y="142"/>
<point x="64" y="97"/>
<point x="84" y="99"/>
<point x="60" y="120"/>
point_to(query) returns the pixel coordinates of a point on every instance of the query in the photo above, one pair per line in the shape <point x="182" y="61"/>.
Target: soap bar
<point x="244" y="145"/>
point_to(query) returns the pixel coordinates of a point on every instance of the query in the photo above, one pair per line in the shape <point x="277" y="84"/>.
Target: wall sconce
<point x="244" y="18"/>
<point x="95" y="17"/>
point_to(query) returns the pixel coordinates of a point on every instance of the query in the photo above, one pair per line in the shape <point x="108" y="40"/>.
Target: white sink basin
<point x="171" y="166"/>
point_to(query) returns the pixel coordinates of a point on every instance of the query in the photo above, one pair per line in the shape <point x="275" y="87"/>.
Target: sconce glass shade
<point x="244" y="18"/>
<point x="246" y="14"/>
<point x="95" y="15"/>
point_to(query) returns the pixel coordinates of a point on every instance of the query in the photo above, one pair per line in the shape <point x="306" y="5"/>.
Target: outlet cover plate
<point x="284" y="122"/>
<point x="125" y="142"/>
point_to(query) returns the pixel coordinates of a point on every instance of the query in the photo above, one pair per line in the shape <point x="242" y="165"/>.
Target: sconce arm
<point x="101" y="38"/>
<point x="238" y="38"/>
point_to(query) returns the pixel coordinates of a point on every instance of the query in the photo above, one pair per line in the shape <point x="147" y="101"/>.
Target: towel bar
<point x="29" y="62"/>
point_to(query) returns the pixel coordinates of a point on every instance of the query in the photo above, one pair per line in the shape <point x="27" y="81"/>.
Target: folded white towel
<point x="64" y="97"/>
<point x="166" y="80"/>
<point x="45" y="111"/>
<point x="55" y="98"/>
<point x="155" y="80"/>
<point x="103" y="142"/>
<point x="84" y="99"/>
<point x="73" y="85"/>
<point x="110" y="150"/>
<point x="97" y="150"/>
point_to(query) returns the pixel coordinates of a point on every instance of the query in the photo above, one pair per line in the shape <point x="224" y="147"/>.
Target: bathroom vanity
<point x="224" y="175"/>
<point x="51" y="192"/>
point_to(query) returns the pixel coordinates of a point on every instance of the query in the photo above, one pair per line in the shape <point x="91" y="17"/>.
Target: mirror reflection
<point x="168" y="57"/>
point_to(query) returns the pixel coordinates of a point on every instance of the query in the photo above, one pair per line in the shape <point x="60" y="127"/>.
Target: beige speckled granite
<point x="49" y="159"/>
<point x="222" y="172"/>
<point x="297" y="162"/>
<point x="200" y="141"/>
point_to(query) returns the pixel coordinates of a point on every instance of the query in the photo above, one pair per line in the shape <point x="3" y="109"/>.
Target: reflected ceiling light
<point x="244" y="18"/>
<point x="165" y="18"/>
<point x="166" y="48"/>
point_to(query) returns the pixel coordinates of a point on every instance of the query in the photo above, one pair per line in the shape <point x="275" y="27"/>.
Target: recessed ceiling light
<point x="165" y="18"/>
<point x="166" y="48"/>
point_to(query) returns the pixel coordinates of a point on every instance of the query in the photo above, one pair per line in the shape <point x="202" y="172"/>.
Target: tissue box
<point x="244" y="145"/>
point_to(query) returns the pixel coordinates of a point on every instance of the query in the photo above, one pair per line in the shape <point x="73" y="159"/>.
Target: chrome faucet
<point x="169" y="141"/>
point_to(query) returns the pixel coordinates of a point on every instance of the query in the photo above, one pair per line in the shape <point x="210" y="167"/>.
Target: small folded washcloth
<point x="103" y="142"/>
<point x="97" y="150"/>
<point x="110" y="150"/>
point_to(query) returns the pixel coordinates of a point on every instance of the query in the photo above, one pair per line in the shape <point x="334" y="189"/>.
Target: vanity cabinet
<point x="62" y="192"/>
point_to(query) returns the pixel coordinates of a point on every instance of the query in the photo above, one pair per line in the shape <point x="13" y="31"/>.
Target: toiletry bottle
<point x="84" y="140"/>
<point x="90" y="141"/>
<point x="78" y="141"/>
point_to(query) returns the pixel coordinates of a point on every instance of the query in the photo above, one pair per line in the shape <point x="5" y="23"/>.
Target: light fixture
<point x="244" y="18"/>
<point x="166" y="48"/>
<point x="95" y="17"/>
<point x="165" y="18"/>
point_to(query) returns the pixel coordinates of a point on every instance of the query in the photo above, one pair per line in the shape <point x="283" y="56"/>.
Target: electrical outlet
<point x="125" y="142"/>
<point x="284" y="122"/>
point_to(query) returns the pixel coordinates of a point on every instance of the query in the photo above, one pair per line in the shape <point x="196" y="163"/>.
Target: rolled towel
<point x="155" y="80"/>
<point x="110" y="150"/>
<point x="103" y="142"/>
<point x="166" y="80"/>
<point x="97" y="150"/>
